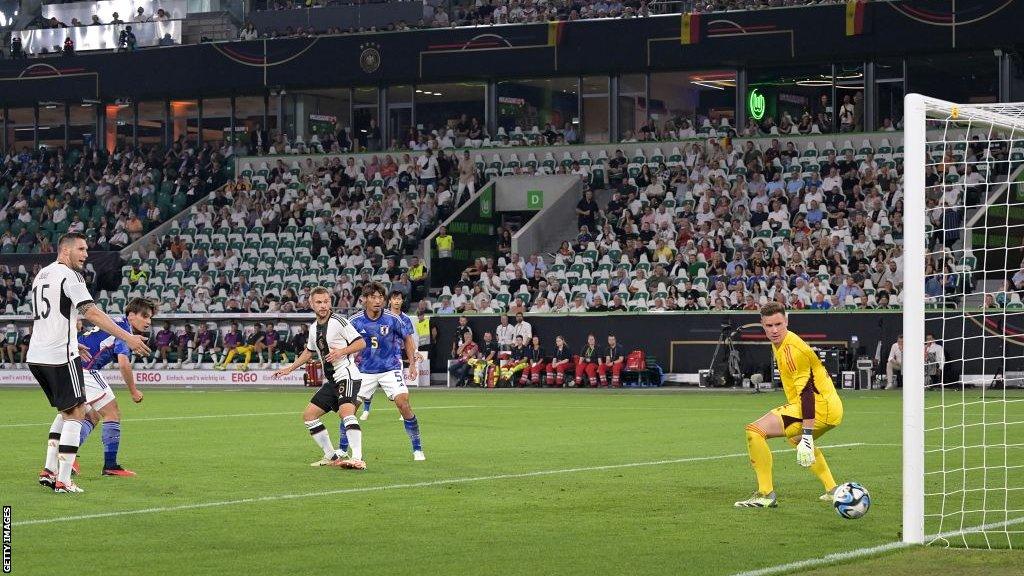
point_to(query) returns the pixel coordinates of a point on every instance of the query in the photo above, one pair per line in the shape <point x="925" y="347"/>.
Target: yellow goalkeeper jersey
<point x="802" y="372"/>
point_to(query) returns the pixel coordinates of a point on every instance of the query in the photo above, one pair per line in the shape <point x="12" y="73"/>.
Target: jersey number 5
<point x="373" y="342"/>
<point x="39" y="295"/>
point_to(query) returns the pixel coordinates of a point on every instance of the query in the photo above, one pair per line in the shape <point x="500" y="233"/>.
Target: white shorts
<point x="393" y="384"/>
<point x="97" y="392"/>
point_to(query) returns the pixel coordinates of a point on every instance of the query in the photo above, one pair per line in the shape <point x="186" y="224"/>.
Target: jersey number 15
<point x="39" y="295"/>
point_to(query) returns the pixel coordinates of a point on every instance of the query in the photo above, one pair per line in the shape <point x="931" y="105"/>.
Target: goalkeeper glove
<point x="805" y="448"/>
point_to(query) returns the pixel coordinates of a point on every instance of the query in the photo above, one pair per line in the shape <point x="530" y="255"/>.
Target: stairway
<point x="211" y="25"/>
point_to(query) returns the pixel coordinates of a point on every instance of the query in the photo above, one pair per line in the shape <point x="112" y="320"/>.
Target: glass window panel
<point x="365" y="121"/>
<point x="20" y="123"/>
<point x="249" y="111"/>
<point x="82" y="131"/>
<point x="443" y="106"/>
<point x="184" y="120"/>
<point x="682" y="101"/>
<point x="152" y="120"/>
<point x="122" y="122"/>
<point x="800" y="97"/>
<point x="966" y="77"/>
<point x="890" y="87"/>
<point x="529" y="104"/>
<point x="51" y="125"/>
<point x="595" y="109"/>
<point x="216" y="119"/>
<point x="399" y="118"/>
<point x="632" y="105"/>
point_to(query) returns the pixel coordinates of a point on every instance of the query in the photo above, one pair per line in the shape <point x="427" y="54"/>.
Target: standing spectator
<point x="505" y="333"/>
<point x="429" y="168"/>
<point x="586" y="211"/>
<point x="467" y="176"/>
<point x="847" y="117"/>
<point x="259" y="141"/>
<point x="373" y="138"/>
<point x="523" y="328"/>
<point x="445" y="252"/>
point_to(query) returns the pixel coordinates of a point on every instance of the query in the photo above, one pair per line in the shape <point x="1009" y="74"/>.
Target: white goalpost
<point x="963" y="360"/>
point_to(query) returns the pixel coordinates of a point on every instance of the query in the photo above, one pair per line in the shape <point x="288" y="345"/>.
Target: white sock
<point x="52" y="442"/>
<point x="68" y="450"/>
<point x="355" y="436"/>
<point x="320" y="435"/>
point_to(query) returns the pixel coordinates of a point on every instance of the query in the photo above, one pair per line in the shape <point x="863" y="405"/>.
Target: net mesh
<point x="974" y="326"/>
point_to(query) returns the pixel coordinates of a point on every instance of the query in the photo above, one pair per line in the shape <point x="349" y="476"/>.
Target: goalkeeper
<point x="812" y="409"/>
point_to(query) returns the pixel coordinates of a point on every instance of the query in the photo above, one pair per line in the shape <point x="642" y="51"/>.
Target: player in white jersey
<point x="335" y="342"/>
<point x="59" y="296"/>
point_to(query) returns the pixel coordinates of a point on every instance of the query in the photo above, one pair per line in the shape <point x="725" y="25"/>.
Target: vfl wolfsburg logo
<point x="755" y="103"/>
<point x="369" y="58"/>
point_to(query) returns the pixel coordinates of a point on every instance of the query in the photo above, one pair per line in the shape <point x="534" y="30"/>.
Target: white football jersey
<point x="338" y="332"/>
<point x="57" y="292"/>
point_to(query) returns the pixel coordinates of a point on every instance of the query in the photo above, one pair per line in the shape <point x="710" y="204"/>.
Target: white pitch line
<point x="428" y="484"/>
<point x="206" y="416"/>
<point x="870" y="551"/>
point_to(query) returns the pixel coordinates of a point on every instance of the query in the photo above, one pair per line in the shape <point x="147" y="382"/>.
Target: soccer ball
<point x="851" y="500"/>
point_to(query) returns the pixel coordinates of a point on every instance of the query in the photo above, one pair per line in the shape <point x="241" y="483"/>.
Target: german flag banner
<point x="555" y="31"/>
<point x="689" y="29"/>
<point x="855" y="17"/>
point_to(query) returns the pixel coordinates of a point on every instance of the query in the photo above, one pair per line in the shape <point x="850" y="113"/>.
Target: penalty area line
<point x="406" y="486"/>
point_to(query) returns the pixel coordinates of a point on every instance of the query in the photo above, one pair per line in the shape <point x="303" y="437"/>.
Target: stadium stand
<point x="700" y="227"/>
<point x="114" y="199"/>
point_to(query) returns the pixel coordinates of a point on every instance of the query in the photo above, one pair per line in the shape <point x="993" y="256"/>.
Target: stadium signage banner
<point x="172" y="377"/>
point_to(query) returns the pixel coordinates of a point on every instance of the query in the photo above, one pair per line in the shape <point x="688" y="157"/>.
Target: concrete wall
<point x="545" y="231"/>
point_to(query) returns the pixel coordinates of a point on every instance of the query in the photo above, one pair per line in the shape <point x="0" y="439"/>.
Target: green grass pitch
<point x="516" y="482"/>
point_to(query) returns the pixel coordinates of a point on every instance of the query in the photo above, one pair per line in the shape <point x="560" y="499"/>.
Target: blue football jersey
<point x="400" y="340"/>
<point x="384" y="340"/>
<point x="103" y="347"/>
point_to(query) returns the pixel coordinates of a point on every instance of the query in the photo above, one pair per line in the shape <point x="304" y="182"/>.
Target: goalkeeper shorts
<point x="828" y="413"/>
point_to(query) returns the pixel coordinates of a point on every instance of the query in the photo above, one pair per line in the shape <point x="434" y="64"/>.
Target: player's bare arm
<point x="124" y="365"/>
<point x="413" y="355"/>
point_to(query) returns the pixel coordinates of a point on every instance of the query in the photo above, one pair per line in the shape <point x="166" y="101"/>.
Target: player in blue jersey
<point x="386" y="336"/>
<point x="395" y="302"/>
<point x="104" y="349"/>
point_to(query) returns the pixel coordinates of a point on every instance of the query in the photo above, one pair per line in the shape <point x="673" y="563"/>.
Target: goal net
<point x="963" y="324"/>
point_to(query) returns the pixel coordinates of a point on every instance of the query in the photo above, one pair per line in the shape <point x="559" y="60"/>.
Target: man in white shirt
<point x="505" y="333"/>
<point x="428" y="168"/>
<point x="894" y="363"/>
<point x="523" y="328"/>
